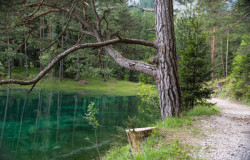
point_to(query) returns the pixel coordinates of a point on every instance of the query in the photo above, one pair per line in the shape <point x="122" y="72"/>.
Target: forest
<point x="157" y="60"/>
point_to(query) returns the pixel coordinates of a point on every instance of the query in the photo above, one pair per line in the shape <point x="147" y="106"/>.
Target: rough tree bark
<point x="167" y="74"/>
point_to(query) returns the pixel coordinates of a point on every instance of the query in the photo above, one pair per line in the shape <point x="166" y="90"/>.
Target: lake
<point x="50" y="125"/>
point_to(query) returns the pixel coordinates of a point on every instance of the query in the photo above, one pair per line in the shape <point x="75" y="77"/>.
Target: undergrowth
<point x="161" y="147"/>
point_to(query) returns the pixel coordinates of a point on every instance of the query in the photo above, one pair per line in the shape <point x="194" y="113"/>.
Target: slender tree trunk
<point x="9" y="61"/>
<point x="212" y="51"/>
<point x="78" y="69"/>
<point x="52" y="72"/>
<point x="167" y="75"/>
<point x="26" y="58"/>
<point x="21" y="63"/>
<point x="41" y="36"/>
<point x="61" y="62"/>
<point x="227" y="53"/>
<point x="104" y="74"/>
<point x="131" y="75"/>
<point x="121" y="73"/>
<point x="222" y="61"/>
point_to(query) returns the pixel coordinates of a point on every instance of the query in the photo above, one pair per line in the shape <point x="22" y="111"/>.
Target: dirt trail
<point x="227" y="135"/>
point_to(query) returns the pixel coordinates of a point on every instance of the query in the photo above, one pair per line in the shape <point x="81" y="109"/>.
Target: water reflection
<point x="50" y="125"/>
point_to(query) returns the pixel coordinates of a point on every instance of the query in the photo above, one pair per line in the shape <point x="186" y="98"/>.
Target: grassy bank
<point x="95" y="86"/>
<point x="174" y="139"/>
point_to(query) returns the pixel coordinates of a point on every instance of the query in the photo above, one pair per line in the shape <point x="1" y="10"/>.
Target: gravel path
<point x="227" y="134"/>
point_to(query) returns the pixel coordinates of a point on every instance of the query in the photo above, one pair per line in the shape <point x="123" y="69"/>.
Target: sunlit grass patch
<point x="203" y="110"/>
<point x="173" y="123"/>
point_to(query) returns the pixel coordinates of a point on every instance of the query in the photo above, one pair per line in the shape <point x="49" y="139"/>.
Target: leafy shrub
<point x="240" y="73"/>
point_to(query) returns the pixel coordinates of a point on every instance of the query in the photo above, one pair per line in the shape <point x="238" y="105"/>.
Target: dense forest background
<point x="212" y="39"/>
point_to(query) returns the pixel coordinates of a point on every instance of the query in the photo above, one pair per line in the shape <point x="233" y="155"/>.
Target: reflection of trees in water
<point x="21" y="122"/>
<point x="44" y="123"/>
<point x="59" y="104"/>
<point x="5" y="114"/>
<point x="74" y="119"/>
<point x="38" y="117"/>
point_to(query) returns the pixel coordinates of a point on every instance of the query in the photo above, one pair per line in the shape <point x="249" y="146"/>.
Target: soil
<point x="226" y="136"/>
<point x="83" y="82"/>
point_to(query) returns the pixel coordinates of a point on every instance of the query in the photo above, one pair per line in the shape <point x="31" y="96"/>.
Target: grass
<point x="155" y="148"/>
<point x="167" y="142"/>
<point x="95" y="87"/>
<point x="203" y="110"/>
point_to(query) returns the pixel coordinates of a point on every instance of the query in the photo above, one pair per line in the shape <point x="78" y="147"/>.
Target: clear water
<point x="46" y="125"/>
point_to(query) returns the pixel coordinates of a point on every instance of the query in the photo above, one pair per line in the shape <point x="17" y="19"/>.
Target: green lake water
<point x="49" y="125"/>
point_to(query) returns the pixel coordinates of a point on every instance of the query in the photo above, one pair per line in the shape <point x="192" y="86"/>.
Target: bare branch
<point x="58" y="9"/>
<point x="136" y="65"/>
<point x="37" y="16"/>
<point x="143" y="9"/>
<point x="36" y="10"/>
<point x="94" y="11"/>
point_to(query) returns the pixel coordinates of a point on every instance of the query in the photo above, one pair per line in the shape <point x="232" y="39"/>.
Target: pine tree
<point x="194" y="66"/>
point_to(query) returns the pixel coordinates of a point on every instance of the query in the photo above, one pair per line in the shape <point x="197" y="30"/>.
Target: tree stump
<point x="137" y="136"/>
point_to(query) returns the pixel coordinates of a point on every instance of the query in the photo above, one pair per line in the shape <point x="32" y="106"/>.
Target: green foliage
<point x="150" y="99"/>
<point x="194" y="68"/>
<point x="1" y="67"/>
<point x="148" y="94"/>
<point x="241" y="80"/>
<point x="90" y="116"/>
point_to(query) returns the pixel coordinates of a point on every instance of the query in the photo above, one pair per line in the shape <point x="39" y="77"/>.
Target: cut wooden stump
<point x="137" y="136"/>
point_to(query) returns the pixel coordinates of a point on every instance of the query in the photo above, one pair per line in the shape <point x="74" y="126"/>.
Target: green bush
<point x="240" y="74"/>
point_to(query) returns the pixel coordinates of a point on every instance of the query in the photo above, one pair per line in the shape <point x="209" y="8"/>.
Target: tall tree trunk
<point x="41" y="36"/>
<point x="222" y="61"/>
<point x="212" y="51"/>
<point x="167" y="74"/>
<point x="9" y="61"/>
<point x="26" y="59"/>
<point x="227" y="53"/>
<point x="52" y="72"/>
<point x="21" y="63"/>
<point x="104" y="74"/>
<point x="61" y="62"/>
<point x="131" y="75"/>
<point x="77" y="69"/>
